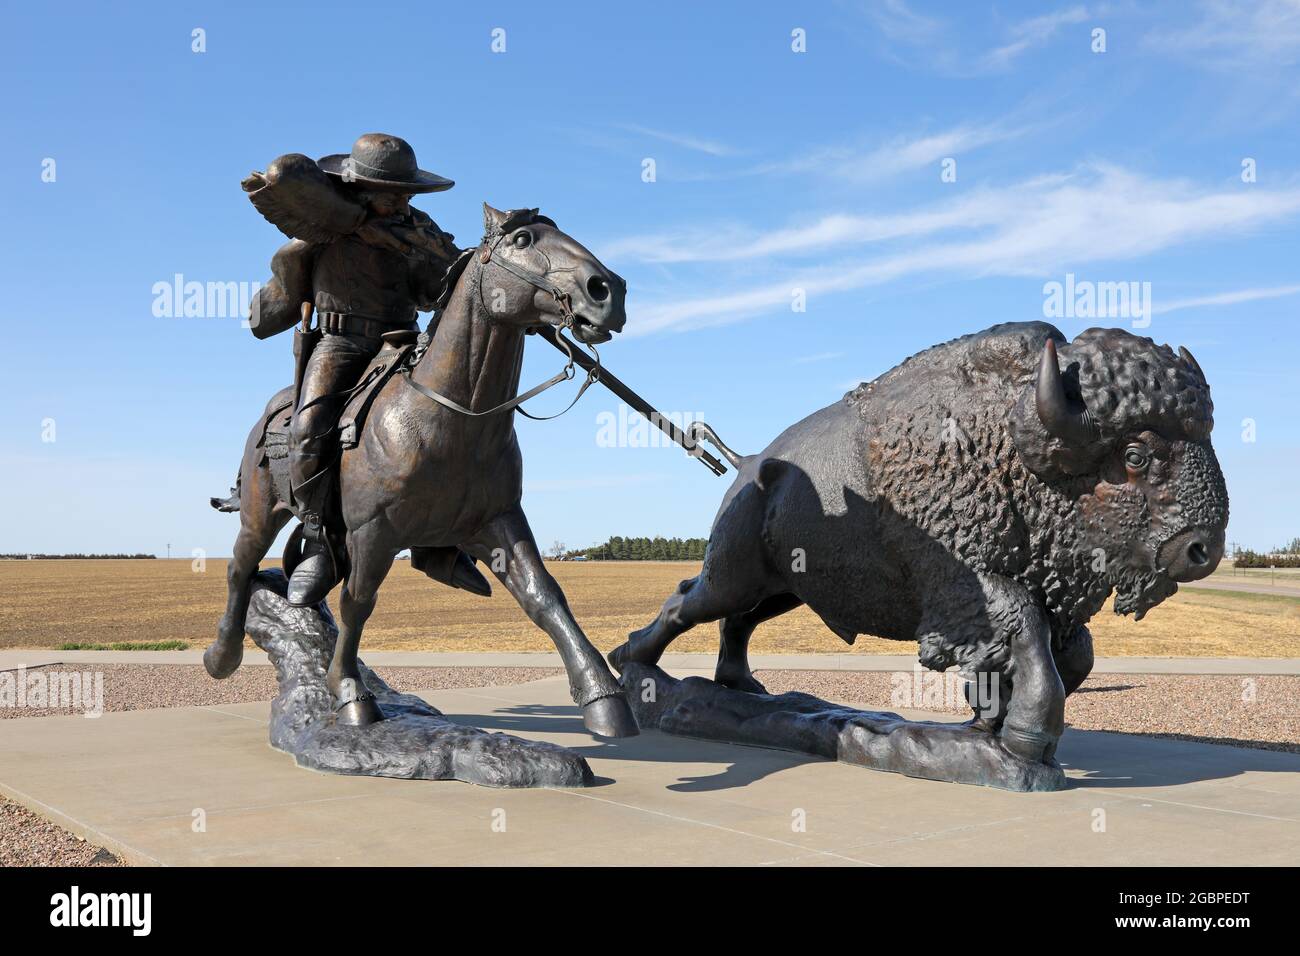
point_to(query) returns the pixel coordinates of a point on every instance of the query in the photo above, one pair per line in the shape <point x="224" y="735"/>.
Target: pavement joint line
<point x="1197" y="806"/>
<point x="216" y="709"/>
<point x="259" y="806"/>
<point x="87" y="830"/>
<point x="713" y="826"/>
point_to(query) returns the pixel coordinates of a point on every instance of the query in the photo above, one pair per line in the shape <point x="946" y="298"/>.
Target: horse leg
<point x="736" y="629"/>
<point x="372" y="557"/>
<point x="259" y="523"/>
<point x="507" y="546"/>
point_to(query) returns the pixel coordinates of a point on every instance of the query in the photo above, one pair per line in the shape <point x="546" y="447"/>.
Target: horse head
<point x="530" y="273"/>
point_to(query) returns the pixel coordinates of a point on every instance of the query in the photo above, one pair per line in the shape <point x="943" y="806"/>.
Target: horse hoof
<point x="221" y="659"/>
<point x="610" y="717"/>
<point x="361" y="712"/>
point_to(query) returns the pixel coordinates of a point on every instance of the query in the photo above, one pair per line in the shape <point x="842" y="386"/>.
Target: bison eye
<point x="1136" y="457"/>
<point x="523" y="239"/>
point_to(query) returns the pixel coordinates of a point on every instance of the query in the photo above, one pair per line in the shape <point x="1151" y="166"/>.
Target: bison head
<point x="1124" y="433"/>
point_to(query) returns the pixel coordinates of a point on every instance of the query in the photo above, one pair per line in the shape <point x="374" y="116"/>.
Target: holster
<point x="304" y="341"/>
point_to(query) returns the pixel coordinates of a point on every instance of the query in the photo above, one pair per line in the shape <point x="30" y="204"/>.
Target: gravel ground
<point x="146" y="686"/>
<point x="30" y="840"/>
<point x="1242" y="711"/>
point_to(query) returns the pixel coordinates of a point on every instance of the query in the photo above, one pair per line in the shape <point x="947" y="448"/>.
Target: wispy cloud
<point x="1226" y="298"/>
<point x="899" y="22"/>
<point x="1045" y="226"/>
<point x="898" y="155"/>
<point x="944" y="46"/>
<point x="1031" y="33"/>
<point x="1253" y="34"/>
<point x="710" y="147"/>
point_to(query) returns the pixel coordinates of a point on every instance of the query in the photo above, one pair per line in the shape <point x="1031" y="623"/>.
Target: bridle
<point x="488" y="255"/>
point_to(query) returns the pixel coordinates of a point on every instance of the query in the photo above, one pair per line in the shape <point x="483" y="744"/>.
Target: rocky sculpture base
<point x="697" y="707"/>
<point x="415" y="742"/>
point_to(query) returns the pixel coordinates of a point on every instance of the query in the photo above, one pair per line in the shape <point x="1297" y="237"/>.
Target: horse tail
<point x="228" y="504"/>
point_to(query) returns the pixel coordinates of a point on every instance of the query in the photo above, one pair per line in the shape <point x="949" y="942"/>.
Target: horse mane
<point x="514" y="219"/>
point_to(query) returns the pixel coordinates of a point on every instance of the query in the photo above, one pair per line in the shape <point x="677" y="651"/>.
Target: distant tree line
<point x="61" y="557"/>
<point x="644" y="549"/>
<point x="1287" y="557"/>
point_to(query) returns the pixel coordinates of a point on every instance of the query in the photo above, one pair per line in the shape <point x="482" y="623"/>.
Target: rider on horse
<point x="367" y="262"/>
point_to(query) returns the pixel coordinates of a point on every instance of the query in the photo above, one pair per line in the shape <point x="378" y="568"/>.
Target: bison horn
<point x="1073" y="428"/>
<point x="1191" y="361"/>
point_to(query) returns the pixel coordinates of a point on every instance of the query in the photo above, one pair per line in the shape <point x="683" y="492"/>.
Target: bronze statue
<point x="983" y="498"/>
<point x="366" y="261"/>
<point x="430" y="460"/>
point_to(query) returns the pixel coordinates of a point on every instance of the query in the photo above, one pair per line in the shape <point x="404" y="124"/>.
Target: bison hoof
<point x="223" y="658"/>
<point x="746" y="682"/>
<point x="610" y="717"/>
<point x="1028" y="745"/>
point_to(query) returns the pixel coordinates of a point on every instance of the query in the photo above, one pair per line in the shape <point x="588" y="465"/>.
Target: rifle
<point x="633" y="400"/>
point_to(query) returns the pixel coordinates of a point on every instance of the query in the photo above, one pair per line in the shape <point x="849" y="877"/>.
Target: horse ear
<point x="492" y="219"/>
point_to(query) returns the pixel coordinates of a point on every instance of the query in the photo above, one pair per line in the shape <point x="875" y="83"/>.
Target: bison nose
<point x="1192" y="555"/>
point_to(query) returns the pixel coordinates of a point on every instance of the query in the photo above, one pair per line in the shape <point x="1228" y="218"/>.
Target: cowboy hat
<point x="382" y="162"/>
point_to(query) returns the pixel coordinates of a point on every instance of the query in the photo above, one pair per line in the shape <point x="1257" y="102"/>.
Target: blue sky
<point x="775" y="170"/>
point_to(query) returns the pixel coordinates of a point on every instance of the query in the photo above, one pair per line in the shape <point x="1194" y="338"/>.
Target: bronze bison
<point x="981" y="499"/>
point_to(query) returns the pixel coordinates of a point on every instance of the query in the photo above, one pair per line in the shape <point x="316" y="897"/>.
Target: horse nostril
<point x="1197" y="554"/>
<point x="598" y="289"/>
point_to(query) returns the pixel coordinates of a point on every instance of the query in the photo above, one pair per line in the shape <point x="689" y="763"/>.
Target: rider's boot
<point x="451" y="566"/>
<point x="317" y="572"/>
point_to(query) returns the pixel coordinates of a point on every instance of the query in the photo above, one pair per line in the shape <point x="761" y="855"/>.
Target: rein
<point x="538" y="280"/>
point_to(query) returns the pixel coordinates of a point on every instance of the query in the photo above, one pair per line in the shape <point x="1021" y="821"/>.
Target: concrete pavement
<point x="141" y="782"/>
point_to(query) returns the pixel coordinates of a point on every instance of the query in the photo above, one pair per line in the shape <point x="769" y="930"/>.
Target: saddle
<point x="274" y="442"/>
<point x="444" y="564"/>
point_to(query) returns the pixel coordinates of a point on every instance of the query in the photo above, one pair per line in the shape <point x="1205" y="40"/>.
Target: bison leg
<point x="733" y="655"/>
<point x="701" y="599"/>
<point x="1074" y="659"/>
<point x="1035" y="715"/>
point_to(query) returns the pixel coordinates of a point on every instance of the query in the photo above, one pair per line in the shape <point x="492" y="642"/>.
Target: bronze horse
<point x="427" y="475"/>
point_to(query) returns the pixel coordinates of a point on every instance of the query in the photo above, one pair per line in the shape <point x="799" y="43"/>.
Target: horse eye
<point x="1135" y="457"/>
<point x="523" y="239"/>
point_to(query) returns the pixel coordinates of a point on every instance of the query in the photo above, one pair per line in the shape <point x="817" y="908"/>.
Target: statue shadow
<point x="1107" y="759"/>
<point x="1094" y="758"/>
<point x="743" y="764"/>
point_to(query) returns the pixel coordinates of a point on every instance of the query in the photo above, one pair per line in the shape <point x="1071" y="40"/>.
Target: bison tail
<point x="701" y="430"/>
